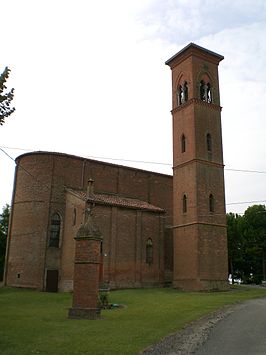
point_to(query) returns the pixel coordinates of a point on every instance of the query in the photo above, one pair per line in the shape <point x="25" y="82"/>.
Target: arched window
<point x="209" y="93"/>
<point x="185" y="204"/>
<point x="209" y="142"/>
<point x="149" y="251"/>
<point x="182" y="94"/>
<point x="202" y="90"/>
<point x="101" y="248"/>
<point x="183" y="143"/>
<point x="179" y="95"/>
<point x="55" y="230"/>
<point x="185" y="91"/>
<point x="205" y="92"/>
<point x="74" y="216"/>
<point x="211" y="203"/>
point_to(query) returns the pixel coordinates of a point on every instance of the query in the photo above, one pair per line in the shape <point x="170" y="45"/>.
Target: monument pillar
<point x="87" y="268"/>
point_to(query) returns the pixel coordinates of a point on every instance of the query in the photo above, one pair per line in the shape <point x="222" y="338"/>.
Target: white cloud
<point x="181" y="21"/>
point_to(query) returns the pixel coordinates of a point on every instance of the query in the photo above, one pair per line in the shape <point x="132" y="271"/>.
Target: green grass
<point x="36" y="322"/>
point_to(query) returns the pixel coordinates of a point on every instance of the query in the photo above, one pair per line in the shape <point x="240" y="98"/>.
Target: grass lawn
<point x="34" y="322"/>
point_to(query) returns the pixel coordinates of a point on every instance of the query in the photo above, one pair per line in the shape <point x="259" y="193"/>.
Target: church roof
<point x="118" y="201"/>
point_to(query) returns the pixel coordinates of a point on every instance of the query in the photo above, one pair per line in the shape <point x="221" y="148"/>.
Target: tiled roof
<point x="119" y="201"/>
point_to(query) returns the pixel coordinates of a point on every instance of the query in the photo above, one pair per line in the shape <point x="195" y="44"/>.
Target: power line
<point x="35" y="178"/>
<point x="98" y="157"/>
<point x="246" y="171"/>
<point x="244" y="202"/>
<point x="129" y="160"/>
<point x="139" y="161"/>
<point x="21" y="167"/>
<point x="7" y="154"/>
<point x="14" y="148"/>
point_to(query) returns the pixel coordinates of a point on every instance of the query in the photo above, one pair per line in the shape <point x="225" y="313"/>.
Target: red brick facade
<point x="126" y="212"/>
<point x="137" y="211"/>
<point x="199" y="221"/>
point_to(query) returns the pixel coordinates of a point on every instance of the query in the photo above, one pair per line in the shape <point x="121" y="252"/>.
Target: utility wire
<point x="9" y="156"/>
<point x="35" y="178"/>
<point x="246" y="171"/>
<point x="244" y="202"/>
<point x="14" y="148"/>
<point x="21" y="167"/>
<point x="137" y="161"/>
<point x="129" y="160"/>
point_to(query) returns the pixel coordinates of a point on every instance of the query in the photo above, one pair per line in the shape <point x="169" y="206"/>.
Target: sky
<point x="90" y="80"/>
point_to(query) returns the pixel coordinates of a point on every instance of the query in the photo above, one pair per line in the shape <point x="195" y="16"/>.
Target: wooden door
<point x="52" y="281"/>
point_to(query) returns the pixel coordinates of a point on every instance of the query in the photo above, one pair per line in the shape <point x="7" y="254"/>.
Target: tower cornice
<point x="193" y="49"/>
<point x="201" y="161"/>
<point x="197" y="102"/>
<point x="199" y="223"/>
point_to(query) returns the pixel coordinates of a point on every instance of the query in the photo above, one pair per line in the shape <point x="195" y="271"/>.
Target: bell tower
<point x="199" y="221"/>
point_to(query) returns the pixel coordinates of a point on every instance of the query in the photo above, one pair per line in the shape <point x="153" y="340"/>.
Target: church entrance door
<point x="51" y="281"/>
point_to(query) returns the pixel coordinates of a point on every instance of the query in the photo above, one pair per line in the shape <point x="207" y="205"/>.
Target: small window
<point x="185" y="204"/>
<point x="209" y="142"/>
<point x="183" y="143"/>
<point x="149" y="251"/>
<point x="211" y="203"/>
<point x="55" y="230"/>
<point x="74" y="216"/>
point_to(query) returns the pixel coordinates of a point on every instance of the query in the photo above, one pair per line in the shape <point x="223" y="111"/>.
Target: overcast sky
<point x="90" y="80"/>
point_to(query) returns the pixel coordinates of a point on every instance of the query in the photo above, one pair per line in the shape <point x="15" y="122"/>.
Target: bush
<point x="103" y="298"/>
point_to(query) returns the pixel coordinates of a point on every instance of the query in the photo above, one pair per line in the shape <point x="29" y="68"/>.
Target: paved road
<point x="241" y="332"/>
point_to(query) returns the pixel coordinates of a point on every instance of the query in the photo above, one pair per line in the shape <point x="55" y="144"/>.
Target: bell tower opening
<point x="200" y="239"/>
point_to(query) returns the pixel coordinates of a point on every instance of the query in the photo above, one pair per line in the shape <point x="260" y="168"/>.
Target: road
<point x="242" y="332"/>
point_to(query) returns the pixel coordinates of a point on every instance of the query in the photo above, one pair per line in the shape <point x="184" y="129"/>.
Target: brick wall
<point x="40" y="191"/>
<point x="125" y="233"/>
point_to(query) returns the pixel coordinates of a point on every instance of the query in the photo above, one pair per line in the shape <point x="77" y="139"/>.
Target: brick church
<point x="158" y="230"/>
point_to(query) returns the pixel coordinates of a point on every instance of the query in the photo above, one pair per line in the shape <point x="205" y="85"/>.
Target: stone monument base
<point x="84" y="313"/>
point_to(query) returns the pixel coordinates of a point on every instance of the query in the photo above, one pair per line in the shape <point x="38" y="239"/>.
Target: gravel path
<point x="187" y="340"/>
<point x="241" y="333"/>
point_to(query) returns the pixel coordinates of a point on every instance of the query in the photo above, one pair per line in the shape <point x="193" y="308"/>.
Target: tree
<point x="5" y="97"/>
<point x="247" y="244"/>
<point x="235" y="245"/>
<point x="255" y="236"/>
<point x="4" y="218"/>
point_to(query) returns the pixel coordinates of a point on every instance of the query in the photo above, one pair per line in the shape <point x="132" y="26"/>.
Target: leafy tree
<point x="255" y="236"/>
<point x="247" y="244"/>
<point x="5" y="97"/>
<point x="235" y="245"/>
<point x="4" y="218"/>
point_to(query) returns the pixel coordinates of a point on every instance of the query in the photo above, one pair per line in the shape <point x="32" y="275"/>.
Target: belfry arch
<point x="206" y="87"/>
